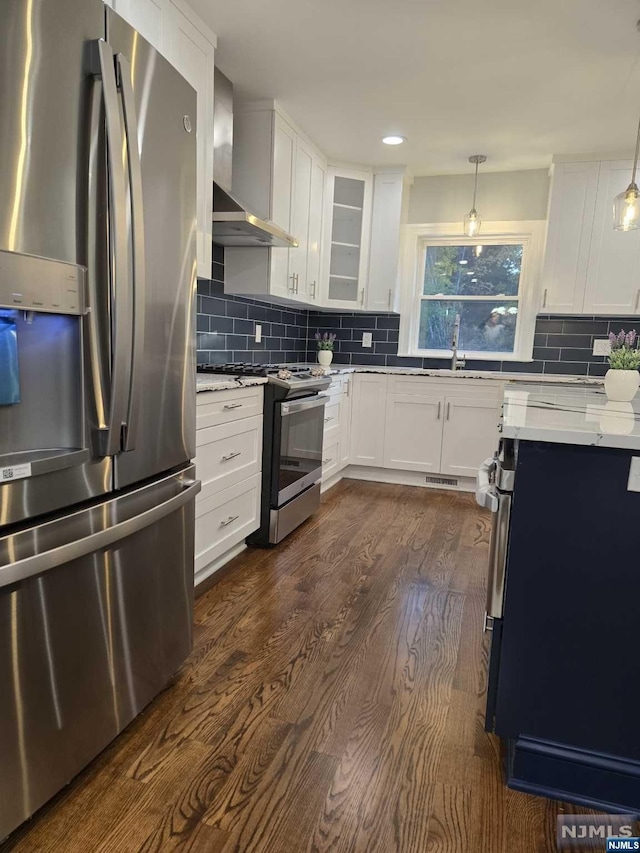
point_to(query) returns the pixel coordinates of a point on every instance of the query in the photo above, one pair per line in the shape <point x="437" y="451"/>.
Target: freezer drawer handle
<point x="39" y="563"/>
<point x="231" y="455"/>
<point x="229" y="520"/>
<point x="232" y="406"/>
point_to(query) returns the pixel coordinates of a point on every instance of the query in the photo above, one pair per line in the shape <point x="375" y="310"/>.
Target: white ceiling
<point x="518" y="81"/>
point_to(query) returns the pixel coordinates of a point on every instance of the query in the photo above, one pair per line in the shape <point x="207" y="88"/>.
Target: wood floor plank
<point x="334" y="701"/>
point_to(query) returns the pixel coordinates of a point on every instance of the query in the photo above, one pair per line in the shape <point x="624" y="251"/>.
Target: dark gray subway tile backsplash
<point x="561" y="344"/>
<point x="226" y="325"/>
<point x="226" y="332"/>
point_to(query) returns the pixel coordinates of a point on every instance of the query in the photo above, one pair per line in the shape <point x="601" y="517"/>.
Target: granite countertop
<point x="496" y="376"/>
<point x="213" y="382"/>
<point x="570" y="415"/>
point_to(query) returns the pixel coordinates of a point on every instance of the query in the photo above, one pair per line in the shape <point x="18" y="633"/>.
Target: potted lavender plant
<point x="325" y="347"/>
<point x="622" y="379"/>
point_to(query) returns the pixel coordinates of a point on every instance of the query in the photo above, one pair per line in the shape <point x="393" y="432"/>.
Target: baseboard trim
<point x="325" y="485"/>
<point x="590" y="779"/>
<point x="405" y="478"/>
<point x="204" y="579"/>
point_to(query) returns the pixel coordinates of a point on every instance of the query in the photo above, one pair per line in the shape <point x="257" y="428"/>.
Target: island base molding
<point x="592" y="780"/>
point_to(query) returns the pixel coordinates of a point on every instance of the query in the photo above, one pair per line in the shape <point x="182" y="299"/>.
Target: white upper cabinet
<point x="347" y="236"/>
<point x="385" y="241"/>
<point x="589" y="267"/>
<point x="191" y="50"/>
<point x="174" y="29"/>
<point x="316" y="217"/>
<point x="299" y="258"/>
<point x="279" y="175"/>
<point x="613" y="277"/>
<point x="571" y="212"/>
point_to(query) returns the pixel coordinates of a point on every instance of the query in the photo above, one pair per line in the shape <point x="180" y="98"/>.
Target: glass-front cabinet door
<point x="348" y="220"/>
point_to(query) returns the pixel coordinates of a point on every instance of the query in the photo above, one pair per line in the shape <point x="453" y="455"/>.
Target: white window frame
<point x="415" y="239"/>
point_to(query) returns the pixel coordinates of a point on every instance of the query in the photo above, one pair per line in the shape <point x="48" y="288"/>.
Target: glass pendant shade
<point x="472" y="223"/>
<point x="626" y="209"/>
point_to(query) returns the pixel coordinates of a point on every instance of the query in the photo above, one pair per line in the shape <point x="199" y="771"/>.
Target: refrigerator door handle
<point x="36" y="564"/>
<point x="99" y="365"/>
<point x="119" y="251"/>
<point x="137" y="231"/>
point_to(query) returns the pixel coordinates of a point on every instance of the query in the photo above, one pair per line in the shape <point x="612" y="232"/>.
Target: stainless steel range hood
<point x="233" y="223"/>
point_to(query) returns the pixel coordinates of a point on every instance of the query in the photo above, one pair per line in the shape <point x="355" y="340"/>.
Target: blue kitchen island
<point x="564" y="595"/>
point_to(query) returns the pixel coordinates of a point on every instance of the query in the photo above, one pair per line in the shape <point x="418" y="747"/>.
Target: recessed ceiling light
<point x="394" y="140"/>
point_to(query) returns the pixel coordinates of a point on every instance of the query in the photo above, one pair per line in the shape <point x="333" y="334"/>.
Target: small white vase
<point x="325" y="357"/>
<point x="621" y="385"/>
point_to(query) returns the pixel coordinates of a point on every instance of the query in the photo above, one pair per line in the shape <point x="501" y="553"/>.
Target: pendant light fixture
<point x="626" y="206"/>
<point x="472" y="221"/>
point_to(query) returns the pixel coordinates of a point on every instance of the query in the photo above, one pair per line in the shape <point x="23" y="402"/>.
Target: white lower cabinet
<point x="413" y="432"/>
<point x="367" y="419"/>
<point x="470" y="435"/>
<point x="224" y="519"/>
<point x="337" y="429"/>
<point x="228" y="463"/>
<point x="423" y="425"/>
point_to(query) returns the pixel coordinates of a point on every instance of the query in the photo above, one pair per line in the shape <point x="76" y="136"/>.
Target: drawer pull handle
<point x="231" y="455"/>
<point x="232" y="405"/>
<point x="326" y="420"/>
<point x="229" y="520"/>
<point x="326" y="461"/>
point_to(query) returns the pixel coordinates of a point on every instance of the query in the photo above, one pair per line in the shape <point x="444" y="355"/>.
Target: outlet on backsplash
<point x="367" y="339"/>
<point x="601" y="346"/>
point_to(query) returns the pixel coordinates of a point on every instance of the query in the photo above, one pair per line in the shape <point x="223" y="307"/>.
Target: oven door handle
<point x="301" y="405"/>
<point x="485" y="491"/>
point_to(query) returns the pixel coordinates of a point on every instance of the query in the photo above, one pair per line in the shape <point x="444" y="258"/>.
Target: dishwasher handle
<point x="486" y="496"/>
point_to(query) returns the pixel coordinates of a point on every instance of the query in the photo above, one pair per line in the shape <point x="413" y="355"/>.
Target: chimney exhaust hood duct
<point x="233" y="223"/>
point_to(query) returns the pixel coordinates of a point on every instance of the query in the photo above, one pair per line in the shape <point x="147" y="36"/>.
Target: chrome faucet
<point x="455" y="361"/>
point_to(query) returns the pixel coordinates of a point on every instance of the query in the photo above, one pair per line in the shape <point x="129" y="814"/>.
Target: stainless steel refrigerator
<point x="97" y="387"/>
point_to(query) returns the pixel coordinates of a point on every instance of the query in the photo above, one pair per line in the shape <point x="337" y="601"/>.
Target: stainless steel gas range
<point x="292" y="444"/>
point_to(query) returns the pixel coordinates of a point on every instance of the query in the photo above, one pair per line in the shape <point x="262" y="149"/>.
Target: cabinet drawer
<point x="332" y="414"/>
<point x="225" y="519"/>
<point x="473" y="388"/>
<point x="227" y="454"/>
<point x="330" y="459"/>
<point x="221" y="407"/>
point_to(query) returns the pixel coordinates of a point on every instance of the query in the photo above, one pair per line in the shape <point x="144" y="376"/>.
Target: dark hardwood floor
<point x="333" y="702"/>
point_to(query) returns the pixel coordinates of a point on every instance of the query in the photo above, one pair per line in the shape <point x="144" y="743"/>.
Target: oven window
<point x="300" y="449"/>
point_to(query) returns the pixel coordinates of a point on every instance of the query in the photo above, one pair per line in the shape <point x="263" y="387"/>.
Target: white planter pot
<point x="621" y="385"/>
<point x="325" y="357"/>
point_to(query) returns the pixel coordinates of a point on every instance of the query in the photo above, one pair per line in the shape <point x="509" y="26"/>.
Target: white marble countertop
<point x="570" y="415"/>
<point x="496" y="376"/>
<point x="213" y="382"/>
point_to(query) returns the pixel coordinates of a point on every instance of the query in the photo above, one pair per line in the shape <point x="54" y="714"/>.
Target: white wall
<point x="508" y="196"/>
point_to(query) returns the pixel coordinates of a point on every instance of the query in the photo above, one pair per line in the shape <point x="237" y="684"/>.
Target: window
<point x="489" y="282"/>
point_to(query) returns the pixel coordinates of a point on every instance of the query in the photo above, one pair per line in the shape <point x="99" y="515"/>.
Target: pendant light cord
<point x="635" y="159"/>
<point x="475" y="184"/>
